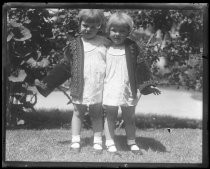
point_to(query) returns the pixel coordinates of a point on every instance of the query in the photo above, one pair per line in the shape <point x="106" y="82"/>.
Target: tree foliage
<point x="175" y="36"/>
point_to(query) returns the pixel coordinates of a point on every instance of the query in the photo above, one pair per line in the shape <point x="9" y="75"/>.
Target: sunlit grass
<point x="46" y="137"/>
<point x="158" y="145"/>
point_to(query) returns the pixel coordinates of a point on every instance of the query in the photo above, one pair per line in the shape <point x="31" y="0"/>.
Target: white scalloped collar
<point x="90" y="44"/>
<point x="113" y="50"/>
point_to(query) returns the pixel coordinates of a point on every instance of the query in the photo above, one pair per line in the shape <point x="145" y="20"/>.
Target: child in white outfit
<point x="124" y="76"/>
<point x="84" y="62"/>
<point x="93" y="72"/>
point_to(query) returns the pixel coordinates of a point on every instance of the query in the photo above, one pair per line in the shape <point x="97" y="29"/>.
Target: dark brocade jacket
<point x="138" y="71"/>
<point x="72" y="66"/>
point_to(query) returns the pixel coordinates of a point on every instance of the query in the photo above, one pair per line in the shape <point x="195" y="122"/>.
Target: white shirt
<point x="117" y="90"/>
<point x="94" y="70"/>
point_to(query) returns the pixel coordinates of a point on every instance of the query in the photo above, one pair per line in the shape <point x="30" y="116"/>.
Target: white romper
<point x="117" y="90"/>
<point x="94" y="70"/>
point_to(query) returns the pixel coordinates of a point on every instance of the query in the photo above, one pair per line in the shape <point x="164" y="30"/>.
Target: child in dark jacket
<point x="84" y="62"/>
<point x="124" y="76"/>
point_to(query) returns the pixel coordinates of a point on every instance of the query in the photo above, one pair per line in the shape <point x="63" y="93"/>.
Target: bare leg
<point x="96" y="119"/>
<point x="128" y="115"/>
<point x="76" y="123"/>
<point x="97" y="123"/>
<point x="109" y="126"/>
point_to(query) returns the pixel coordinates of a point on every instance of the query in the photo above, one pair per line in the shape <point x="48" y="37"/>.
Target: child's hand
<point x="40" y="84"/>
<point x="155" y="90"/>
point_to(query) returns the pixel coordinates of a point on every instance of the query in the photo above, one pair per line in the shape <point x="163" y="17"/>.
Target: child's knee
<point x="111" y="111"/>
<point x="77" y="114"/>
<point x="129" y="118"/>
<point x="96" y="112"/>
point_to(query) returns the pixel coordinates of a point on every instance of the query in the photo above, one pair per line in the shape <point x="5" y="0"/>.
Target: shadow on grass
<point x="66" y="142"/>
<point x="87" y="141"/>
<point x="45" y="119"/>
<point x="145" y="121"/>
<point x="143" y="142"/>
<point x="121" y="143"/>
<point x="55" y="118"/>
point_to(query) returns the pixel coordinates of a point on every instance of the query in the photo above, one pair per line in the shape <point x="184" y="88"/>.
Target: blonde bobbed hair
<point x="120" y="18"/>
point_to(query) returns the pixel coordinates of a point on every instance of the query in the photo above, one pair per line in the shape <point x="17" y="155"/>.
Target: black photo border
<point x="178" y="6"/>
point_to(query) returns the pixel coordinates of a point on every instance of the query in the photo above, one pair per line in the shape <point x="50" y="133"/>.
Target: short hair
<point x="120" y="18"/>
<point x="91" y="15"/>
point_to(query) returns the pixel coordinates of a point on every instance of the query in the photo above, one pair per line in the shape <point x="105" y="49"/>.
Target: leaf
<point x="54" y="18"/>
<point x="62" y="16"/>
<point x="10" y="36"/>
<point x="20" y="77"/>
<point x="31" y="62"/>
<point x="43" y="63"/>
<point x="27" y="21"/>
<point x="15" y="24"/>
<point x="53" y="11"/>
<point x="26" y="34"/>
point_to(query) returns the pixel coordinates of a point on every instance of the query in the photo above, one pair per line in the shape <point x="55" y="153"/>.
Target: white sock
<point x="97" y="139"/>
<point x="75" y="138"/>
<point x="75" y="141"/>
<point x="130" y="142"/>
<point x="97" y="143"/>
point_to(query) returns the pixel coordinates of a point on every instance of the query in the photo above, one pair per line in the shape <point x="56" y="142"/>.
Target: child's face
<point x="118" y="34"/>
<point x="89" y="29"/>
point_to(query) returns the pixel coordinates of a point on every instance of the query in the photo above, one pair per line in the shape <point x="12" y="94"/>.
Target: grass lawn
<point x="52" y="145"/>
